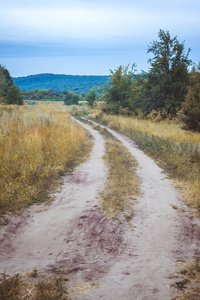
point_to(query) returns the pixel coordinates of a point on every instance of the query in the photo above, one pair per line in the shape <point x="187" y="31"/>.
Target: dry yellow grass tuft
<point x="37" y="143"/>
<point x="123" y="184"/>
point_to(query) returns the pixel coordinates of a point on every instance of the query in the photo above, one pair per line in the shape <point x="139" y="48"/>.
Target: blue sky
<point x="90" y="37"/>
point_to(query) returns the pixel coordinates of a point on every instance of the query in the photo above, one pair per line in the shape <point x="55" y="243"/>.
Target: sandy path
<point x="128" y="262"/>
<point x="161" y="236"/>
<point x="40" y="240"/>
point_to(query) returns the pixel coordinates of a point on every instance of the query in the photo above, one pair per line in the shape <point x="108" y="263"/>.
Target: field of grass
<point x="37" y="144"/>
<point x="176" y="150"/>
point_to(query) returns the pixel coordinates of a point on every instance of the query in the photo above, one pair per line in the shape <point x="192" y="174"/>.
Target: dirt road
<point x="127" y="261"/>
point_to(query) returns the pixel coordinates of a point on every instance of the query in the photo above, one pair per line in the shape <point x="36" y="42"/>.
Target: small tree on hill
<point x="14" y="96"/>
<point x="71" y="98"/>
<point x="91" y="98"/>
<point x="168" y="77"/>
<point x="5" y="81"/>
<point x="118" y="93"/>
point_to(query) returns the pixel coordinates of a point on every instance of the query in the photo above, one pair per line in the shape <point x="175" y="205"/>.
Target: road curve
<point x="162" y="235"/>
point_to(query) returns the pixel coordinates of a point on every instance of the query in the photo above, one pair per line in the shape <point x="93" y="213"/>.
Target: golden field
<point x="37" y="143"/>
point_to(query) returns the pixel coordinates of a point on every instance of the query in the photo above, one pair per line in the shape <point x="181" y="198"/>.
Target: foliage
<point x="5" y="81"/>
<point x="91" y="98"/>
<point x="162" y="89"/>
<point x="191" y="106"/>
<point x="78" y="84"/>
<point x="168" y="77"/>
<point x="118" y="93"/>
<point x="14" y="96"/>
<point x="37" y="144"/>
<point x="71" y="98"/>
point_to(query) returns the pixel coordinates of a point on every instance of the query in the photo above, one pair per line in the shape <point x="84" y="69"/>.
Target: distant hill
<point x="76" y="83"/>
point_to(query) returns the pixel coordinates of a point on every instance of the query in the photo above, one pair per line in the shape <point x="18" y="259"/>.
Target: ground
<point x="105" y="258"/>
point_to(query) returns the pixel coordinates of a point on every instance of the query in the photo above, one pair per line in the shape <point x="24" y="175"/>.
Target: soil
<point x="121" y="260"/>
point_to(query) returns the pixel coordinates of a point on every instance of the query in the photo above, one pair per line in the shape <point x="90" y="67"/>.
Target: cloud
<point x="89" y="22"/>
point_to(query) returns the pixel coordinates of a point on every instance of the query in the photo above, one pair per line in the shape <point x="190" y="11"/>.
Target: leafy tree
<point x="191" y="106"/>
<point x="91" y="98"/>
<point x="71" y="98"/>
<point x="118" y="93"/>
<point x="5" y="81"/>
<point x="14" y="96"/>
<point x="168" y="77"/>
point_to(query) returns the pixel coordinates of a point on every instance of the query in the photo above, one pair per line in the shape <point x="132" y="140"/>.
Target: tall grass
<point x="177" y="150"/>
<point x="37" y="143"/>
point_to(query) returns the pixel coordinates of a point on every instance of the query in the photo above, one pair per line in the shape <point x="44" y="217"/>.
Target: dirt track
<point x="127" y="261"/>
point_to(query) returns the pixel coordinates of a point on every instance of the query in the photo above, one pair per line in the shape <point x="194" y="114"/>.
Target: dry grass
<point x="17" y="287"/>
<point x="176" y="150"/>
<point x="123" y="185"/>
<point x="165" y="129"/>
<point x="189" y="285"/>
<point x="37" y="144"/>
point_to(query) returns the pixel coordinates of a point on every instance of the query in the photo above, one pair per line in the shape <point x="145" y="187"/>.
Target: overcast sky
<point x="90" y="37"/>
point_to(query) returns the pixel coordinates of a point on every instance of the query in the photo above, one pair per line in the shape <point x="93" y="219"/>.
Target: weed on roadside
<point x="10" y="287"/>
<point x="54" y="289"/>
<point x="189" y="285"/>
<point x="19" y="287"/>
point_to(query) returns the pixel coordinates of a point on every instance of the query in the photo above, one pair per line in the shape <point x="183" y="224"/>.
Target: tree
<point x="91" y="98"/>
<point x="191" y="106"/>
<point x="71" y="98"/>
<point x="118" y="93"/>
<point x="168" y="77"/>
<point x="5" y="81"/>
<point x="14" y="96"/>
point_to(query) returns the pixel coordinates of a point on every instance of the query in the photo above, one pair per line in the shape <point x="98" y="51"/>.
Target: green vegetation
<point x="91" y="98"/>
<point x="75" y="83"/>
<point x="14" y="96"/>
<point x="51" y="95"/>
<point x="71" y="98"/>
<point x="118" y="93"/>
<point x="167" y="90"/>
<point x="191" y="106"/>
<point x="9" y="93"/>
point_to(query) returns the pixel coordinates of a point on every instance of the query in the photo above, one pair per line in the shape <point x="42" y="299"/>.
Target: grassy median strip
<point x="123" y="184"/>
<point x="122" y="187"/>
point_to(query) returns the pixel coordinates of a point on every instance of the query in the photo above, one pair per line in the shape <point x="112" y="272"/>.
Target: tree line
<point x="168" y="88"/>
